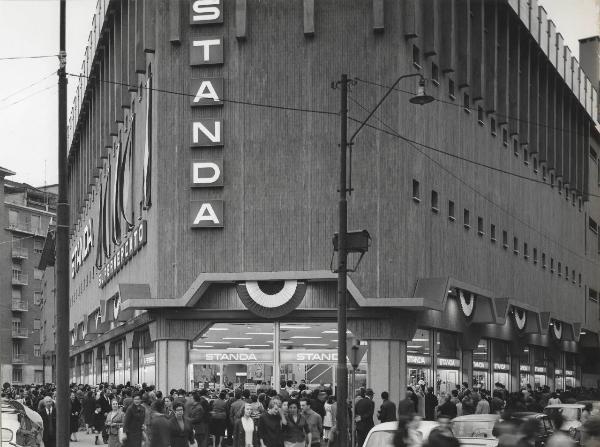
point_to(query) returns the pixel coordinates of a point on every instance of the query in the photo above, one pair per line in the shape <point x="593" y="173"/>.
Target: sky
<point x="28" y="87"/>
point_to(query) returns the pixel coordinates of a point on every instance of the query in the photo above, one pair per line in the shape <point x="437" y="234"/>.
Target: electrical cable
<point x="415" y="145"/>
<point x="25" y="88"/>
<point x="472" y="109"/>
<point x="13" y="58"/>
<point x="28" y="96"/>
<point x="233" y="101"/>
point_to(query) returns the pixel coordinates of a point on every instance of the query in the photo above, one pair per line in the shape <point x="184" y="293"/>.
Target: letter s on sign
<point x="204" y="11"/>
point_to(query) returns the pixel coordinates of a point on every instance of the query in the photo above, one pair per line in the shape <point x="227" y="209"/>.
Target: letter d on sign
<point x="207" y="173"/>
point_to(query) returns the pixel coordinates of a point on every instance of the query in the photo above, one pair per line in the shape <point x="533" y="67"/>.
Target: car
<point x="475" y="430"/>
<point x="382" y="435"/>
<point x="544" y="426"/>
<point x="572" y="418"/>
<point x="595" y="406"/>
<point x="18" y="423"/>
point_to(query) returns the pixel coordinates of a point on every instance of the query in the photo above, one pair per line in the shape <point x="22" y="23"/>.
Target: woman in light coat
<point x="114" y="421"/>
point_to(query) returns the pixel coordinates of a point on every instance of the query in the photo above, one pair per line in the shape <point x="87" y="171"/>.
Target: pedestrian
<point x="199" y="414"/>
<point x="590" y="432"/>
<point x="406" y="433"/>
<point x="180" y="430"/>
<point x="89" y="406"/>
<point x="245" y="432"/>
<point x="431" y="402"/>
<point x="406" y="406"/>
<point x="48" y="414"/>
<point x="483" y="405"/>
<point x="169" y="412"/>
<point x="328" y="420"/>
<point x="447" y="408"/>
<point x="387" y="410"/>
<point x="74" y="418"/>
<point x="133" y="423"/>
<point x="161" y="434"/>
<point x="99" y="419"/>
<point x="270" y="433"/>
<point x="114" y="422"/>
<point x="554" y="399"/>
<point x="314" y="421"/>
<point x="559" y="438"/>
<point x="218" y="418"/>
<point x="363" y="415"/>
<point x="296" y="432"/>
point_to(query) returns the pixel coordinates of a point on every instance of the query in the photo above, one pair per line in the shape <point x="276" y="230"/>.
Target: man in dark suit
<point x="363" y="411"/>
<point x="387" y="411"/>
<point x="48" y="413"/>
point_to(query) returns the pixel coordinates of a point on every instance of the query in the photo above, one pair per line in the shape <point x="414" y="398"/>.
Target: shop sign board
<point x="83" y="247"/>
<point x="149" y="360"/>
<point x="448" y="363"/>
<point x="322" y="356"/>
<point x="206" y="168"/>
<point x="558" y="372"/>
<point x="539" y="369"/>
<point x="501" y="366"/>
<point x="135" y="240"/>
<point x="481" y="365"/>
<point x="262" y="356"/>
<point x="569" y="373"/>
<point x="418" y="360"/>
<point x="524" y="368"/>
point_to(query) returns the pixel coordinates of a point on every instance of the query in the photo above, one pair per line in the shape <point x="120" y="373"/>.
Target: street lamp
<point x="420" y="98"/>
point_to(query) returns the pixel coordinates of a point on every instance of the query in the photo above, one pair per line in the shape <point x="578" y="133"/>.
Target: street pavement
<point x="85" y="440"/>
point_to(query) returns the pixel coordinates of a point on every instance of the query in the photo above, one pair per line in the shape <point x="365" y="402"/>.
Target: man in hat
<point x="363" y="411"/>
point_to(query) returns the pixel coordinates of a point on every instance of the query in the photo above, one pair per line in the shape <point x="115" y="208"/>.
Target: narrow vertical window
<point x="516" y="147"/>
<point x="480" y="226"/>
<point x="451" y="215"/>
<point x="493" y="233"/>
<point x="516" y="245"/>
<point x="416" y="193"/>
<point x="543" y="260"/>
<point x="535" y="258"/>
<point x="525" y="250"/>
<point x="559" y="268"/>
<point x="535" y="164"/>
<point x="504" y="238"/>
<point x="525" y="156"/>
<point x="505" y="137"/>
<point x="466" y="219"/>
<point x="435" y="74"/>
<point x="551" y="265"/>
<point x="434" y="201"/>
<point x="480" y="115"/>
<point x="466" y="102"/>
<point x="493" y="126"/>
<point x="451" y="89"/>
<point x="416" y="57"/>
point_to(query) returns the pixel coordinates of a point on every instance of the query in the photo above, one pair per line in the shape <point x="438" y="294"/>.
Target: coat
<point x="179" y="437"/>
<point x="239" y="435"/>
<point x="132" y="425"/>
<point x="387" y="411"/>
<point x="365" y="409"/>
<point x="49" y="433"/>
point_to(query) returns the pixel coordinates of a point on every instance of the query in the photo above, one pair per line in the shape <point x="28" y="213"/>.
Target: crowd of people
<point x="136" y="416"/>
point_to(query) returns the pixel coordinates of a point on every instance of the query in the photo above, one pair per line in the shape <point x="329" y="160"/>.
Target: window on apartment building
<point x="17" y="374"/>
<point x="16" y="293"/>
<point x="37" y="298"/>
<point x="566" y="272"/>
<point x="435" y="74"/>
<point x="593" y="295"/>
<point x="543" y="260"/>
<point x="551" y="265"/>
<point x="493" y="126"/>
<point x="573" y="199"/>
<point x="38" y="274"/>
<point x="567" y="197"/>
<point x="38" y="245"/>
<point x="434" y="202"/>
<point x="535" y="164"/>
<point x="505" y="136"/>
<point x="466" y="102"/>
<point x="535" y="258"/>
<point x="552" y="180"/>
<point x="466" y="219"/>
<point x="416" y="191"/>
<point x="37" y="324"/>
<point x="416" y="57"/>
<point x="579" y="279"/>
<point x="504" y="238"/>
<point x="480" y="231"/>
<point x="544" y="172"/>
<point x="451" y="89"/>
<point x="480" y="116"/>
<point x="13" y="218"/>
<point x="516" y="245"/>
<point x="516" y="147"/>
<point x="493" y="233"/>
<point x="560" y="186"/>
<point x="36" y="224"/>
<point x="559" y="269"/>
<point x="451" y="214"/>
<point x="525" y="156"/>
<point x="580" y="204"/>
<point x="573" y="276"/>
<point x="37" y="351"/>
<point x="525" y="250"/>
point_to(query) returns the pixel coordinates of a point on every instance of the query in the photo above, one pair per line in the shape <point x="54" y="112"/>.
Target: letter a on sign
<point x="207" y="92"/>
<point x="207" y="133"/>
<point x="207" y="214"/>
<point x="206" y="11"/>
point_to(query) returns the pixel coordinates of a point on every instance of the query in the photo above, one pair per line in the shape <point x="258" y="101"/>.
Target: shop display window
<point x="501" y="363"/>
<point x="540" y="367"/>
<point x="481" y="365"/>
<point x="448" y="361"/>
<point x="418" y="359"/>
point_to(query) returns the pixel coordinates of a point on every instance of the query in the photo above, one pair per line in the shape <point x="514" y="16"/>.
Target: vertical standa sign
<point x="206" y="172"/>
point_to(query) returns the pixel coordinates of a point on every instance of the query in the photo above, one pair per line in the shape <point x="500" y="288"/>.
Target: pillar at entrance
<point x="171" y="362"/>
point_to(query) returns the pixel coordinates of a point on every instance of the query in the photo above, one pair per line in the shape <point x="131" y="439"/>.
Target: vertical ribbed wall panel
<point x="431" y="20"/>
<point x="110" y="86"/>
<point x="543" y="109"/>
<point x="551" y="116"/>
<point x="503" y="64"/>
<point x="491" y="59"/>
<point x="116" y="72"/>
<point x="478" y="50"/>
<point x="379" y="15"/>
<point x="131" y="46"/>
<point x="524" y="89"/>
<point x="573" y="148"/>
<point x="463" y="43"/>
<point x="309" y="17"/>
<point x="514" y="90"/>
<point x="241" y="19"/>
<point x="123" y="75"/>
<point x="448" y="30"/>
<point x="551" y="46"/>
<point x="566" y="138"/>
<point x="534" y="100"/>
<point x="534" y="20"/>
<point x="543" y="30"/>
<point x="560" y="55"/>
<point x="586" y="159"/>
<point x="150" y="26"/>
<point x="140" y="56"/>
<point x="412" y="15"/>
<point x="558" y="125"/>
<point x="568" y="67"/>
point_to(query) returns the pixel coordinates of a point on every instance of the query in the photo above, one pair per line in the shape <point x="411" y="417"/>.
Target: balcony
<point x="20" y="279"/>
<point x="20" y="333"/>
<point x="19" y="358"/>
<point x="20" y="253"/>
<point x="20" y="306"/>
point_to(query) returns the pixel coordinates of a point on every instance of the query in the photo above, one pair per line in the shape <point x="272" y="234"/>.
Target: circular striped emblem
<point x="467" y="303"/>
<point x="520" y="318"/>
<point x="271" y="299"/>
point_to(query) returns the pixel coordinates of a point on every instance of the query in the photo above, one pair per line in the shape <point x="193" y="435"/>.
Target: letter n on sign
<point x="207" y="132"/>
<point x="206" y="214"/>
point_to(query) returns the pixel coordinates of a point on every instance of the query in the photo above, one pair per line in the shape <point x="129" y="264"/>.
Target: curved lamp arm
<point x="351" y="140"/>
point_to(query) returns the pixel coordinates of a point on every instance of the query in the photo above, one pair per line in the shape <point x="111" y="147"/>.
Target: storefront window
<point x="418" y="359"/>
<point x="540" y="367"/>
<point x="525" y="367"/>
<point x="570" y="368"/>
<point x="448" y="361"/>
<point x="501" y="363"/>
<point x="481" y="365"/>
<point x="243" y="354"/>
<point x="559" y="372"/>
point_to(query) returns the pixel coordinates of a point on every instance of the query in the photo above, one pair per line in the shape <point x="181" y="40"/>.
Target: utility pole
<point x="342" y="367"/>
<point x="62" y="251"/>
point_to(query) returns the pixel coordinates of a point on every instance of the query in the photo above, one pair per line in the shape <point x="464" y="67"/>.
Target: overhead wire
<point x="473" y="109"/>
<point x="27" y="87"/>
<point x="414" y="144"/>
<point x="27" y="97"/>
<point x="233" y="101"/>
<point x="13" y="58"/>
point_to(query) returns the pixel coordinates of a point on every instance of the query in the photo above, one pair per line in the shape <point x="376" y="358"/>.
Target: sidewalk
<point x="85" y="440"/>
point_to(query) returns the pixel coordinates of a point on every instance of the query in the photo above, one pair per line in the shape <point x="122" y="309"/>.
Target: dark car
<point x="544" y="426"/>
